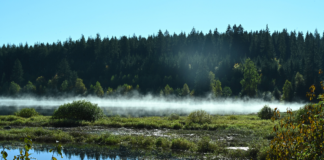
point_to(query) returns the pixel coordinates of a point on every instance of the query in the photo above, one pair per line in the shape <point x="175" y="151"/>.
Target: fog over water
<point x="149" y="105"/>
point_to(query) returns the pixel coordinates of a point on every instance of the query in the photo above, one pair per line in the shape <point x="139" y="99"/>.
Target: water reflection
<point x="85" y="152"/>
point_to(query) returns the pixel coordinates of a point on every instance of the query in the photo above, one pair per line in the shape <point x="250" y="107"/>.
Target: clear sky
<point x="45" y="21"/>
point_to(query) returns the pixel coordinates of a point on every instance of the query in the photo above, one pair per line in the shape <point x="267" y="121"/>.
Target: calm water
<point x="85" y="152"/>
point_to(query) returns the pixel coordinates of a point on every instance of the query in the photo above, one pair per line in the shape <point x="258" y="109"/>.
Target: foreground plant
<point x="299" y="140"/>
<point x="28" y="145"/>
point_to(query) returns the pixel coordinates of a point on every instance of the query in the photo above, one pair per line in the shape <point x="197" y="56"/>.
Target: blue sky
<point x="35" y="21"/>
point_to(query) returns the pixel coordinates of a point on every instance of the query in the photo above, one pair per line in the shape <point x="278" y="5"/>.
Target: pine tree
<point x="98" y="90"/>
<point x="17" y="72"/>
<point x="287" y="91"/>
<point x="80" y="88"/>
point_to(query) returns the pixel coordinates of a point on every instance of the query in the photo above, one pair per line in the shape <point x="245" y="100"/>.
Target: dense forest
<point x="233" y="63"/>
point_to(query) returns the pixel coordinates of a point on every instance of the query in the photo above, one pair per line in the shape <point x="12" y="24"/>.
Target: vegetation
<point x="287" y="91"/>
<point x="163" y="59"/>
<point x="27" y="113"/>
<point x="301" y="140"/>
<point x="199" y="116"/>
<point x="79" y="110"/>
<point x="265" y="113"/>
<point x="251" y="78"/>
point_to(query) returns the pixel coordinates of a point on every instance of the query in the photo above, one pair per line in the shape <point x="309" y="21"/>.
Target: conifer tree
<point x="287" y="91"/>
<point x="98" y="90"/>
<point x="80" y="88"/>
<point x="17" y="72"/>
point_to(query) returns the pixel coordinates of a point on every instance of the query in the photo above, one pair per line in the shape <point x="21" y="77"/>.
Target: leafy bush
<point x="181" y="144"/>
<point x="173" y="117"/>
<point x="232" y="117"/>
<point x="79" y="110"/>
<point x="205" y="145"/>
<point x="299" y="140"/>
<point x="199" y="116"/>
<point x="26" y="112"/>
<point x="301" y="114"/>
<point x="265" y="113"/>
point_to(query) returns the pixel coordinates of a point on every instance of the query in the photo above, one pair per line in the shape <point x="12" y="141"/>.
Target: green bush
<point x="181" y="144"/>
<point x="265" y="113"/>
<point x="79" y="110"/>
<point x="301" y="114"/>
<point x="199" y="116"/>
<point x="205" y="145"/>
<point x="173" y="117"/>
<point x="26" y="112"/>
<point x="232" y="117"/>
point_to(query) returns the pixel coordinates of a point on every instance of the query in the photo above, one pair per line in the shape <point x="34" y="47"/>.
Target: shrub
<point x="299" y="140"/>
<point x="26" y="112"/>
<point x="182" y="144"/>
<point x="173" y="117"/>
<point x="265" y="113"/>
<point x="232" y="117"/>
<point x="79" y="110"/>
<point x="204" y="145"/>
<point x="199" y="116"/>
<point x="301" y="114"/>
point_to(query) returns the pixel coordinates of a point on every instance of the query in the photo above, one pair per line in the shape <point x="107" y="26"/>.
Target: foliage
<point x="227" y="91"/>
<point x="185" y="90"/>
<point x="287" y="91"/>
<point x="300" y="140"/>
<point x="27" y="112"/>
<point x="174" y="116"/>
<point x="29" y="87"/>
<point x="215" y="85"/>
<point x="97" y="89"/>
<point x="181" y="144"/>
<point x="199" y="116"/>
<point x="79" y="110"/>
<point x="205" y="145"/>
<point x="64" y="85"/>
<point x="276" y="93"/>
<point x="80" y="88"/>
<point x="109" y="91"/>
<point x="251" y="78"/>
<point x="28" y="146"/>
<point x="17" y="72"/>
<point x="14" y="88"/>
<point x="265" y="113"/>
<point x="168" y="90"/>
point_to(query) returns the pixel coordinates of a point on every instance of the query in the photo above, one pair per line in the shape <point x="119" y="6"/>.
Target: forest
<point x="231" y="63"/>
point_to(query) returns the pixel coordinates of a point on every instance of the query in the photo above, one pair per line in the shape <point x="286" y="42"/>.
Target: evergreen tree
<point x="80" y="88"/>
<point x="168" y="90"/>
<point x="185" y="90"/>
<point x="287" y="91"/>
<point x="17" y="72"/>
<point x="98" y="90"/>
<point x="251" y="78"/>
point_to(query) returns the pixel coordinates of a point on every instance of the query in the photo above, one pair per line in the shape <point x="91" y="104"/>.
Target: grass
<point x="207" y="137"/>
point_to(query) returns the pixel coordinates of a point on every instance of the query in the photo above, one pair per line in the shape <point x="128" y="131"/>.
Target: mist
<point x="148" y="105"/>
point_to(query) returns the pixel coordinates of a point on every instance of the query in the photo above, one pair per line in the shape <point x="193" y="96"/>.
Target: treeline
<point x="167" y="63"/>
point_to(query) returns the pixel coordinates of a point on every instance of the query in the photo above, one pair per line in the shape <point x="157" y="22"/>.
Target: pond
<point x="84" y="152"/>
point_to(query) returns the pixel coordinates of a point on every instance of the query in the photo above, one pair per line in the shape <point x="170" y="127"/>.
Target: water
<point x="148" y="105"/>
<point x="87" y="152"/>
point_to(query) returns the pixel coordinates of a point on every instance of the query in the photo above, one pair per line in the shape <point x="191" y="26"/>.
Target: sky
<point x="39" y="21"/>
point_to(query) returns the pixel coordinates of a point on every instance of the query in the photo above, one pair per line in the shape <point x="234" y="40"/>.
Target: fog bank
<point x="149" y="105"/>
